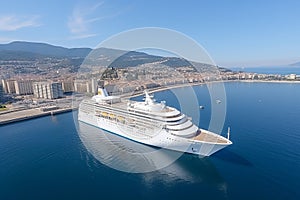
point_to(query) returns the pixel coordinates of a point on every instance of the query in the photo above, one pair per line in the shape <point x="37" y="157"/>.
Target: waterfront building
<point x="47" y="90"/>
<point x="94" y="85"/>
<point x="81" y="86"/>
<point x="68" y="86"/>
<point x="1" y="94"/>
<point x="4" y="86"/>
<point x="9" y="86"/>
<point x="292" y="77"/>
<point x="23" y="87"/>
<point x="85" y="86"/>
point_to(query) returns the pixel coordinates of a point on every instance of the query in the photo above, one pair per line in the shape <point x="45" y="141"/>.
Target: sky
<point x="235" y="33"/>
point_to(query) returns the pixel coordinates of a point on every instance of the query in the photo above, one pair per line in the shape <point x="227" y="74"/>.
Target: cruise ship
<point x="150" y="123"/>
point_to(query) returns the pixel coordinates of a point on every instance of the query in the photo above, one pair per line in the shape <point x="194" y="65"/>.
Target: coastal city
<point x="149" y="100"/>
<point x="43" y="88"/>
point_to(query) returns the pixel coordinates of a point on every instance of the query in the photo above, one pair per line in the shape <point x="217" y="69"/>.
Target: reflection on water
<point x="129" y="156"/>
<point x="123" y="154"/>
<point x="189" y="169"/>
<point x="54" y="118"/>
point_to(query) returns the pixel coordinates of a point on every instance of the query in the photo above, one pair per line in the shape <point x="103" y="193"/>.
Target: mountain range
<point x="38" y="50"/>
<point x="24" y="51"/>
<point x="297" y="64"/>
<point x="30" y="51"/>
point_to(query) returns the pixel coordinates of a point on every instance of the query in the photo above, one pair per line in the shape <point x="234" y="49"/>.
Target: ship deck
<point x="209" y="137"/>
<point x="123" y="105"/>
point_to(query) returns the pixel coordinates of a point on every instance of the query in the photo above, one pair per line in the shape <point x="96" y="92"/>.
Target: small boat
<point x="201" y="107"/>
<point x="218" y="101"/>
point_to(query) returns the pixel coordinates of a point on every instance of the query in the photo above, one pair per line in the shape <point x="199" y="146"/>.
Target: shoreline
<point x="223" y="81"/>
<point x="159" y="89"/>
<point x="22" y="115"/>
<point x="266" y="81"/>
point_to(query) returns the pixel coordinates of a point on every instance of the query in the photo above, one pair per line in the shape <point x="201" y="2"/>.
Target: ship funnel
<point x="102" y="92"/>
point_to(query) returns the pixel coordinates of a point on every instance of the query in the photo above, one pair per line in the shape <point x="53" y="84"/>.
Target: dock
<point x="21" y="115"/>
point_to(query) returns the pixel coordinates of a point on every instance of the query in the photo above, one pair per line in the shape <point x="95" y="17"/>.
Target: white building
<point x="81" y="86"/>
<point x="68" y="86"/>
<point x="86" y="86"/>
<point x="292" y="77"/>
<point x="23" y="87"/>
<point x="9" y="86"/>
<point x="4" y="86"/>
<point x="47" y="90"/>
<point x="94" y="87"/>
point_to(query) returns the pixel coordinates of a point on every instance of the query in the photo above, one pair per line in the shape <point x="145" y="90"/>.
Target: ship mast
<point x="228" y="133"/>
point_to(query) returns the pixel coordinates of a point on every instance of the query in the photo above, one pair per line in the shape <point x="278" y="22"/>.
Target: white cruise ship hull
<point x="160" y="137"/>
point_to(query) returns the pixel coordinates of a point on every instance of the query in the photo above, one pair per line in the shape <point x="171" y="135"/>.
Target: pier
<point x="11" y="117"/>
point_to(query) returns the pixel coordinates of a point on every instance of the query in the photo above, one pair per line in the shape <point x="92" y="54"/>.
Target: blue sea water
<point x="46" y="158"/>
